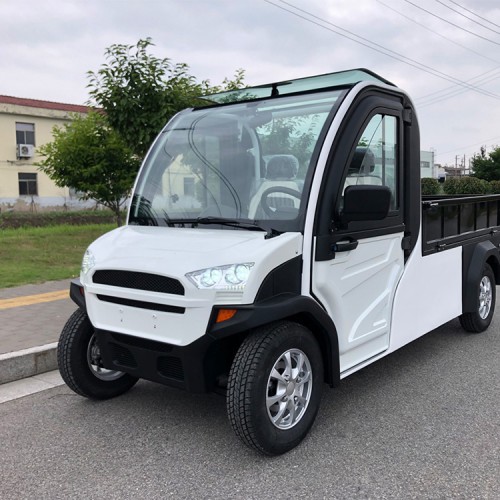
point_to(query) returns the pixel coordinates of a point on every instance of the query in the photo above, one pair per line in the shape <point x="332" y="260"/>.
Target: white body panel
<point x="173" y="252"/>
<point x="428" y="295"/>
<point x="357" y="289"/>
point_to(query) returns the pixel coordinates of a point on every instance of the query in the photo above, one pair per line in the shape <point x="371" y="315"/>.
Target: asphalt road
<point x="421" y="423"/>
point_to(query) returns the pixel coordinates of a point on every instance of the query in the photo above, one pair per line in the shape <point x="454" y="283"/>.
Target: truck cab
<point x="273" y="243"/>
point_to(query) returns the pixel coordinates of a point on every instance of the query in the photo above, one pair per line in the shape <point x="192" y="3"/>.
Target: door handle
<point x="345" y="246"/>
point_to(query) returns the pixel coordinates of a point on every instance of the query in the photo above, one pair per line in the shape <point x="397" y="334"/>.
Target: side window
<point x="375" y="159"/>
<point x="28" y="184"/>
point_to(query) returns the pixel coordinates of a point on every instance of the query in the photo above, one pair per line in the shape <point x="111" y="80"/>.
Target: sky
<point x="444" y="53"/>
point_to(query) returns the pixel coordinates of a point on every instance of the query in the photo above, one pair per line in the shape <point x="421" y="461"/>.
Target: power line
<point x="452" y="91"/>
<point x="467" y="147"/>
<point x="453" y="24"/>
<point x="472" y="12"/>
<point x="438" y="34"/>
<point x="383" y="50"/>
<point x="467" y="17"/>
<point x="449" y="92"/>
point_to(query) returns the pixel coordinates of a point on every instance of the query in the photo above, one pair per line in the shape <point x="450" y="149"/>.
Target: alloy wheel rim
<point x="485" y="297"/>
<point x="289" y="389"/>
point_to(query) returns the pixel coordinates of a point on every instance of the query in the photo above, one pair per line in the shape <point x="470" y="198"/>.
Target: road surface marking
<point x="28" y="300"/>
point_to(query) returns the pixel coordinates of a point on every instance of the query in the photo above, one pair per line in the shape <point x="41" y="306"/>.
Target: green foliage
<point x="90" y="157"/>
<point x="466" y="185"/>
<point x="430" y="186"/>
<point x="140" y="92"/>
<point x="238" y="82"/>
<point x="38" y="254"/>
<point x="99" y="155"/>
<point x="487" y="165"/>
<point x="495" y="187"/>
<point x="13" y="220"/>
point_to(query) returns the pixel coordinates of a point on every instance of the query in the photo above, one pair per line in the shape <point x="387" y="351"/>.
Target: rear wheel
<point x="480" y="319"/>
<point x="80" y="364"/>
<point x="274" y="387"/>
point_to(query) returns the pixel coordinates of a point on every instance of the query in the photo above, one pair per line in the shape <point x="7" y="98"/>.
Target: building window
<point x="25" y="133"/>
<point x="27" y="184"/>
<point x="425" y="164"/>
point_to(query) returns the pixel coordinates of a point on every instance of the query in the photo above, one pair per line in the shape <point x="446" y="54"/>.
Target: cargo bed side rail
<point x="448" y="222"/>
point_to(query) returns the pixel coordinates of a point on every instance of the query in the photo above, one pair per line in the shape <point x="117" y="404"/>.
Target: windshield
<point x="247" y="163"/>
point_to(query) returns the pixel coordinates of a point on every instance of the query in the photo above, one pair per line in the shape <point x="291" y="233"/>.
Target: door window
<point x="374" y="161"/>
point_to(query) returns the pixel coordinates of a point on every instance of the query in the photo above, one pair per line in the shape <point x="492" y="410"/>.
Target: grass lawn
<point x="38" y="254"/>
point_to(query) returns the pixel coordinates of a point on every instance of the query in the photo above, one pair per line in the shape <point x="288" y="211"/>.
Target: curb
<point x="28" y="362"/>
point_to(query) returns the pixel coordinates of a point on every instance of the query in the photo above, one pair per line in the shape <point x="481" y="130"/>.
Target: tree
<point x="487" y="165"/>
<point x="136" y="94"/>
<point x="140" y="92"/>
<point x="90" y="157"/>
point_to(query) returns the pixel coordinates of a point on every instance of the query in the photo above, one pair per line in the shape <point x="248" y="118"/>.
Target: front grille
<point x="139" y="281"/>
<point x="122" y="356"/>
<point x="171" y="367"/>
<point x="152" y="345"/>
<point x="153" y="306"/>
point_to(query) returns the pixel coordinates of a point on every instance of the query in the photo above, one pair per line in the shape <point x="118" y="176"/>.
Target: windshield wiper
<point x="250" y="226"/>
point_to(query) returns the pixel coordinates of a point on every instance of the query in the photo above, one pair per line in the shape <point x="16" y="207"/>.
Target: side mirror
<point x="365" y="202"/>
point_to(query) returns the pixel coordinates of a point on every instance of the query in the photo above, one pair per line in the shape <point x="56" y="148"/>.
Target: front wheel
<point x="80" y="365"/>
<point x="480" y="319"/>
<point x="274" y="387"/>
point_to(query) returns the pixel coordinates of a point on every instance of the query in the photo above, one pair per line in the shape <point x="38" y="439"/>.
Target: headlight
<point x="230" y="277"/>
<point x="88" y="261"/>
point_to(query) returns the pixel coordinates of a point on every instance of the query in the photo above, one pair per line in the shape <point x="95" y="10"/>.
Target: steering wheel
<point x="270" y="211"/>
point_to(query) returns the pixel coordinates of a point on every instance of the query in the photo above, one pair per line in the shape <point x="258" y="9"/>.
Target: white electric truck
<point x="277" y="240"/>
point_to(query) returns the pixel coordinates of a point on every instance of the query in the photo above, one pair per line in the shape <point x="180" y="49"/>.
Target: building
<point x="427" y="166"/>
<point x="25" y="125"/>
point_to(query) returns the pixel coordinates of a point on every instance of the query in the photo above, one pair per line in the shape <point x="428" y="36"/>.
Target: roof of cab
<point x="344" y="79"/>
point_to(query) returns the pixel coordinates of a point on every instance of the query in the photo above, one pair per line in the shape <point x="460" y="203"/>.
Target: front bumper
<point x="176" y="366"/>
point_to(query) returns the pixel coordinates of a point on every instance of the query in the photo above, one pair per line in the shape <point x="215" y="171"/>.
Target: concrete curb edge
<point x="28" y="362"/>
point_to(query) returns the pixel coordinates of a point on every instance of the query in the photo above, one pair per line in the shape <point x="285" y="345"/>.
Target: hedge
<point x="13" y="220"/>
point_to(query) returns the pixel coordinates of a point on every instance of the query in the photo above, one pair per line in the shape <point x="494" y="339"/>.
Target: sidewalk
<point x="30" y="328"/>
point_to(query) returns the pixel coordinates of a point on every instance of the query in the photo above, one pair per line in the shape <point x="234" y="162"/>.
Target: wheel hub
<point x="289" y="389"/>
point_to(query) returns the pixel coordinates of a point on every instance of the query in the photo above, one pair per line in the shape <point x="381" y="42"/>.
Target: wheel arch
<point x="328" y="343"/>
<point x="475" y="257"/>
<point x="298" y="309"/>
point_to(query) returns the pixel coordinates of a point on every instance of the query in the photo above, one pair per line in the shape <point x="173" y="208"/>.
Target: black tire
<point x="79" y="363"/>
<point x="252" y="387"/>
<point x="479" y="320"/>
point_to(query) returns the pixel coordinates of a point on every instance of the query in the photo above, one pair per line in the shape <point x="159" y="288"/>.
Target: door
<point x="357" y="280"/>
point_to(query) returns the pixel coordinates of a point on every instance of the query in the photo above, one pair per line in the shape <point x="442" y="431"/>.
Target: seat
<point x="361" y="169"/>
<point x="281" y="172"/>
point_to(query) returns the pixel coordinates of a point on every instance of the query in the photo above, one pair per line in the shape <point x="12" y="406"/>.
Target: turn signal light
<point x="225" y="314"/>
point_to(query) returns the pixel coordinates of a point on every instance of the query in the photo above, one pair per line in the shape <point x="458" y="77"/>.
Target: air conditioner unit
<point x="25" y="150"/>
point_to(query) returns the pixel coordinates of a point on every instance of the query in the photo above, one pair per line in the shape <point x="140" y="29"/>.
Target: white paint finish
<point x="173" y="328"/>
<point x="176" y="251"/>
<point x="429" y="294"/>
<point x="357" y="289"/>
<point x="173" y="252"/>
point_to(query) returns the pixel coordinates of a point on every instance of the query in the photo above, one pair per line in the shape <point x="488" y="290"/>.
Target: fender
<point x="475" y="256"/>
<point x="298" y="308"/>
